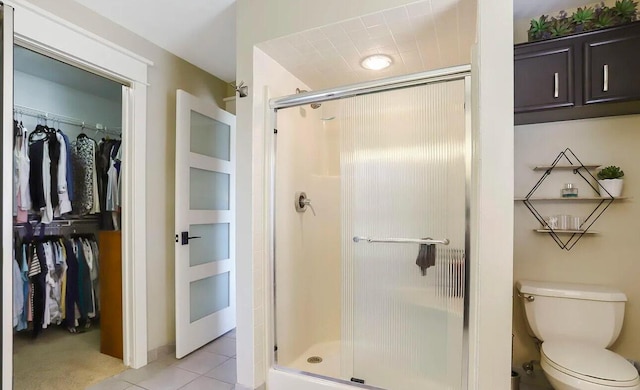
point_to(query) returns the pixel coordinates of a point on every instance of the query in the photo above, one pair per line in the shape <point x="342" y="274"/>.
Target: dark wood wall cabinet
<point x="587" y="75"/>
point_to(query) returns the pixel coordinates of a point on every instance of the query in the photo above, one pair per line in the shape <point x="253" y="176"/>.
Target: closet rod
<point x="36" y="113"/>
<point x="61" y="222"/>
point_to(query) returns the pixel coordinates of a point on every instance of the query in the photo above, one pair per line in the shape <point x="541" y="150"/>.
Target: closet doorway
<point x="67" y="283"/>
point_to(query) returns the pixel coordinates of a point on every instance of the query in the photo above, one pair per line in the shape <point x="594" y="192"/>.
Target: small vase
<point x="612" y="186"/>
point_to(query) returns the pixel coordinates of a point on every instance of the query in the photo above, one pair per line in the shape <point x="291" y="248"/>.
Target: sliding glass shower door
<point x="370" y="283"/>
<point x="403" y="235"/>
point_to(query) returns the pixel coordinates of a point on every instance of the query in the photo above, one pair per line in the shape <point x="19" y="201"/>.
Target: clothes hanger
<point x="39" y="130"/>
<point x="17" y="132"/>
<point x="82" y="134"/>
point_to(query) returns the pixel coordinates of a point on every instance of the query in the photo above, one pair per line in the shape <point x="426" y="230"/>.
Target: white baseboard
<point x="241" y="387"/>
<point x="157" y="353"/>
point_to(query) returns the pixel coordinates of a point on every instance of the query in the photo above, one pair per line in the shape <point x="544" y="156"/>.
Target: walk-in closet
<point x="67" y="279"/>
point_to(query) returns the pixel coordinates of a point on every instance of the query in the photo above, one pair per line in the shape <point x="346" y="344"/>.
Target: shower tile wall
<point x="307" y="246"/>
<point x="293" y="342"/>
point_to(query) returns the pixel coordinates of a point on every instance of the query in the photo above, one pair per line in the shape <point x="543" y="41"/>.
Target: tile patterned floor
<point x="212" y="367"/>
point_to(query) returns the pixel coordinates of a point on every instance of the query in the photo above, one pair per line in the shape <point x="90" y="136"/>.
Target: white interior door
<point x="205" y="223"/>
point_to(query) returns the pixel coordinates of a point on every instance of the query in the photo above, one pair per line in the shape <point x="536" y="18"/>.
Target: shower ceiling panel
<point x="420" y="36"/>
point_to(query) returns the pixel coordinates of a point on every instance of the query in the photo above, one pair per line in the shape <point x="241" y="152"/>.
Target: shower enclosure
<point x="369" y="223"/>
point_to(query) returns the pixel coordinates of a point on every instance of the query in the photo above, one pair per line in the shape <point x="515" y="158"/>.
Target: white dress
<point x="63" y="195"/>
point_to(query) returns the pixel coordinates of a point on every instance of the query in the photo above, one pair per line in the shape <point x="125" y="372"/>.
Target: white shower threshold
<point x="329" y="367"/>
<point x="282" y="380"/>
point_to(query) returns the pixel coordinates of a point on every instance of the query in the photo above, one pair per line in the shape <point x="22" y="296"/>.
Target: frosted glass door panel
<point x="208" y="190"/>
<point x="209" y="296"/>
<point x="210" y="137"/>
<point x="403" y="176"/>
<point x="212" y="246"/>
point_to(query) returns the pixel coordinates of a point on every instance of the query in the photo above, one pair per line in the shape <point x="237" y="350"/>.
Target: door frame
<point x="279" y="374"/>
<point x="44" y="32"/>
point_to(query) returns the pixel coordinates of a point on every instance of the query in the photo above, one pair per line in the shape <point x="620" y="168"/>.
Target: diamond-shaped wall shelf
<point x="568" y="160"/>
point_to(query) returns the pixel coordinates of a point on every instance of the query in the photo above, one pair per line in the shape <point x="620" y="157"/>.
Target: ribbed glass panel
<point x="402" y="168"/>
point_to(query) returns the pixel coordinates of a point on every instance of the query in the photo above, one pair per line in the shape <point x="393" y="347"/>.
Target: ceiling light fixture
<point x="376" y="62"/>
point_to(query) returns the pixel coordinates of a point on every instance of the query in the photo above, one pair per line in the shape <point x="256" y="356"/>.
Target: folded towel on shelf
<point x="426" y="257"/>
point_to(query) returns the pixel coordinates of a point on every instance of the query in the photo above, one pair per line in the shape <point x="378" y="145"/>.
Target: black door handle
<point x="186" y="238"/>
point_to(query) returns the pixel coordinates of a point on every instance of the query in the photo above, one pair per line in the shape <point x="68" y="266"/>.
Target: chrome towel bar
<point x="357" y="239"/>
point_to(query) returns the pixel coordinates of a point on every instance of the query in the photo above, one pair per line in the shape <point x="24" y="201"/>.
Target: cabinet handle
<point x="555" y="85"/>
<point x="605" y="88"/>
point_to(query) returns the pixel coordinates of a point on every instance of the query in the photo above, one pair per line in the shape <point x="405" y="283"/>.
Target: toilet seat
<point x="590" y="364"/>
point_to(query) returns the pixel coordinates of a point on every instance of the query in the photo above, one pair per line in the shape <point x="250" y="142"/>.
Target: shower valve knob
<point x="302" y="202"/>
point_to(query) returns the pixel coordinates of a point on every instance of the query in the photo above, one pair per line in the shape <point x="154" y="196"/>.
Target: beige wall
<point x="168" y="74"/>
<point x="609" y="258"/>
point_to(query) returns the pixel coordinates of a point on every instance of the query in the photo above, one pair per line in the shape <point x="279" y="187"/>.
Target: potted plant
<point x="539" y="29"/>
<point x="610" y="181"/>
<point x="583" y="19"/>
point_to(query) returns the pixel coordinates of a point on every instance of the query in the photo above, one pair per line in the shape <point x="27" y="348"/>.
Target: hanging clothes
<point x="72" y="295"/>
<point x="53" y="176"/>
<point x="108" y="183"/>
<point x="85" y="175"/>
<point x="68" y="165"/>
<point x="84" y="281"/>
<point x="53" y="145"/>
<point x="36" y="188"/>
<point x="37" y="271"/>
<point x="18" y="291"/>
<point x="46" y="212"/>
<point x="119" y="168"/>
<point x="64" y="203"/>
<point x="62" y="280"/>
<point x="48" y="167"/>
<point x="22" y="170"/>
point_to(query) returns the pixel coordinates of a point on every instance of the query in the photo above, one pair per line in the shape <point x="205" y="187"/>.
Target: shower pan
<point x="370" y="290"/>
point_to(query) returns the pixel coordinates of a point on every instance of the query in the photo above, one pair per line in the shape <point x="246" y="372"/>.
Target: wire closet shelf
<point x="48" y="117"/>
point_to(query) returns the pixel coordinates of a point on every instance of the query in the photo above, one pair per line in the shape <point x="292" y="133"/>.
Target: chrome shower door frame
<point x="462" y="72"/>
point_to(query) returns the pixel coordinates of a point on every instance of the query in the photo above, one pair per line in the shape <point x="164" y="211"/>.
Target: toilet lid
<point x="589" y="361"/>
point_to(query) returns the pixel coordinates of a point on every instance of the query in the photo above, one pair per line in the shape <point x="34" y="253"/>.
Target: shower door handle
<point x="424" y="241"/>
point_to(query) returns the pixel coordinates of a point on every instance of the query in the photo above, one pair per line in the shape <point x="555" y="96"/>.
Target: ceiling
<point x="420" y="36"/>
<point x="38" y="65"/>
<point x="423" y="35"/>
<point x="200" y="31"/>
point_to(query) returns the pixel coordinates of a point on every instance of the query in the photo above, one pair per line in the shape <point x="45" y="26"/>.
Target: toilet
<point x="576" y="324"/>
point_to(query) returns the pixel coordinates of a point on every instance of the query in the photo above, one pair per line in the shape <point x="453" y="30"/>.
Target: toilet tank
<point x="581" y="312"/>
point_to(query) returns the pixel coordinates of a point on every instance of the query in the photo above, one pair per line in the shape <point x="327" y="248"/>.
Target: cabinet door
<point x="544" y="79"/>
<point x="612" y="68"/>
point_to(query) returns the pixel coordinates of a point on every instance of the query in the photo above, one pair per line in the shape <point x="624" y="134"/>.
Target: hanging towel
<point x="426" y="257"/>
